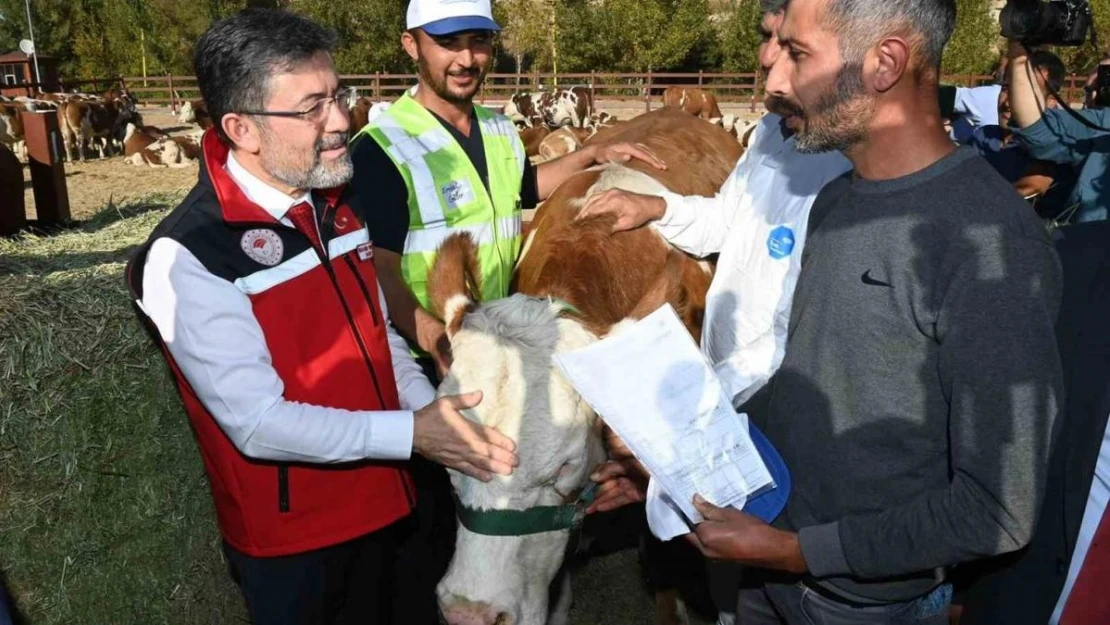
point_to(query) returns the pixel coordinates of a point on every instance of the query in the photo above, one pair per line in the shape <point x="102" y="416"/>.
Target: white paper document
<point x="652" y="385"/>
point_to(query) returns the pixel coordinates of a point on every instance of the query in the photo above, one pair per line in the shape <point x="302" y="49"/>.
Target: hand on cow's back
<point x="443" y="435"/>
<point x="630" y="210"/>
<point x="621" y="153"/>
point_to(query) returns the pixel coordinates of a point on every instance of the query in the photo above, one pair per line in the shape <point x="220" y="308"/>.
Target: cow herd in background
<point x="108" y="124"/>
<point x="551" y="123"/>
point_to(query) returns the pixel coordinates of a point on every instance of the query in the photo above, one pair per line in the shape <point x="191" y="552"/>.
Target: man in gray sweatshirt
<point x="921" y="380"/>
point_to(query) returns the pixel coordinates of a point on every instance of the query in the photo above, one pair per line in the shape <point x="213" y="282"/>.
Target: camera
<point x="1055" y="22"/>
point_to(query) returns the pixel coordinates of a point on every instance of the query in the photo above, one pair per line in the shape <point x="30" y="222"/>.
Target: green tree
<point x="526" y="30"/>
<point x="738" y="37"/>
<point x="626" y="35"/>
<point x="54" y="22"/>
<point x="369" y="33"/>
<point x="973" y="48"/>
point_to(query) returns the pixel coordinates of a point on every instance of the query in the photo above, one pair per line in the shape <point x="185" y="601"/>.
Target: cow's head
<point x="504" y="349"/>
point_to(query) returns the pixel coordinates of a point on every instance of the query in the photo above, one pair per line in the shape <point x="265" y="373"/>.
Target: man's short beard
<point x="292" y="170"/>
<point x="840" y="117"/>
<point x="439" y="85"/>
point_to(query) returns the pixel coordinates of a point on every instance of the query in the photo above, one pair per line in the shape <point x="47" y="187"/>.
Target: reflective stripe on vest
<point x="446" y="195"/>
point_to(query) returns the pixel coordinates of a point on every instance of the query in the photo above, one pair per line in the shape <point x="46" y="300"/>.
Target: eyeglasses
<point x="319" y="110"/>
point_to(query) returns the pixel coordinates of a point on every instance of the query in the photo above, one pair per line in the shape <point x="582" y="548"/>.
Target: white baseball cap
<point x="444" y="17"/>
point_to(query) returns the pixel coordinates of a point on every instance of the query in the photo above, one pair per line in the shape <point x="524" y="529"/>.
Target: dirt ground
<point x="92" y="184"/>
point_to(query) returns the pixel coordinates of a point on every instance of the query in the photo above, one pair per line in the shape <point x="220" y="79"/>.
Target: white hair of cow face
<point x="504" y="349"/>
<point x="188" y="114"/>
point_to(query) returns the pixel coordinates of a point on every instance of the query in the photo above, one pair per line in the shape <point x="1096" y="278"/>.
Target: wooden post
<point x="48" y="174"/>
<point x="755" y="90"/>
<point x="13" y="210"/>
<point x="593" y="79"/>
<point x="173" y="95"/>
<point x="378" y="86"/>
<point x="647" y="93"/>
<point x="701" y="78"/>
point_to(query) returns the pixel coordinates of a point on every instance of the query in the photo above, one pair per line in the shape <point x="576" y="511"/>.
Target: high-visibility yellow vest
<point x="446" y="195"/>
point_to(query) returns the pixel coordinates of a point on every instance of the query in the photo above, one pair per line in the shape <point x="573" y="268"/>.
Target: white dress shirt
<point x="757" y="223"/>
<point x="1092" y="516"/>
<point x="978" y="104"/>
<point x="209" y="328"/>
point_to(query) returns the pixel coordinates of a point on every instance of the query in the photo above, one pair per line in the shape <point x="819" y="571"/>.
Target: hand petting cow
<point x="574" y="281"/>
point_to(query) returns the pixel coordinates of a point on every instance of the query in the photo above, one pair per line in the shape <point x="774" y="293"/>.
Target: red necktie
<point x="1089" y="601"/>
<point x="304" y="220"/>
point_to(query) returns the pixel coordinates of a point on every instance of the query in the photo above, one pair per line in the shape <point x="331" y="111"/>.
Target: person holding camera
<point x="1061" y="136"/>
<point x="1096" y="90"/>
<point x="1049" y="183"/>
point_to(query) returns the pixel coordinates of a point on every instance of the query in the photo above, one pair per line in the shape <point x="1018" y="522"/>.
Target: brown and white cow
<point x="92" y="124"/>
<point x="195" y="112"/>
<point x="573" y="107"/>
<point x="168" y="152"/>
<point x="694" y="101"/>
<point x="532" y="138"/>
<point x="11" y="128"/>
<point x="529" y="109"/>
<point x="137" y="138"/>
<point x="364" y="110"/>
<point x="563" y="141"/>
<point x="574" y="282"/>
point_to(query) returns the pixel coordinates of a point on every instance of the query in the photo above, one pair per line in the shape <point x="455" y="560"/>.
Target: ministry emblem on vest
<point x="457" y="193"/>
<point x="263" y="246"/>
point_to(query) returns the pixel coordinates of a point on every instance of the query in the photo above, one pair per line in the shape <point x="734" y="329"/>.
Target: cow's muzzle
<point x="462" y="612"/>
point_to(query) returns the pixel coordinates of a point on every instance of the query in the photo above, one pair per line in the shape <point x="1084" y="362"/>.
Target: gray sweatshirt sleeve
<point x="1000" y="368"/>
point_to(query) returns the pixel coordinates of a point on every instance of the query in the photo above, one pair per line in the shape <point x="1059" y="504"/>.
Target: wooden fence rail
<point x="647" y="87"/>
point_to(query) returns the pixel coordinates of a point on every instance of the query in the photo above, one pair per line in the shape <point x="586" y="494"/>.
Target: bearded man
<point x="260" y="292"/>
<point x="433" y="164"/>
<point x="916" y="397"/>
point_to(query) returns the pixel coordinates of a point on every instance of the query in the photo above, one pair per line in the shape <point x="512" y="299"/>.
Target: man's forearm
<point x="1026" y="99"/>
<point x="551" y="174"/>
<point x="405" y="313"/>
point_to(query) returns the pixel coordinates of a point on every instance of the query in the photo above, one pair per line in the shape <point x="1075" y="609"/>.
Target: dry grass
<point x="104" y="511"/>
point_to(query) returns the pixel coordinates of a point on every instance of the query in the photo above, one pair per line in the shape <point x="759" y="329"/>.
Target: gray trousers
<point x="793" y="603"/>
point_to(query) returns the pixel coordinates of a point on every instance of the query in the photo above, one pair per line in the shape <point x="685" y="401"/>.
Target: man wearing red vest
<point x="260" y="289"/>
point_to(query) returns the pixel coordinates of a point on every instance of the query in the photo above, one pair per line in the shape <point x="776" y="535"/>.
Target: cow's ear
<point x="455" y="281"/>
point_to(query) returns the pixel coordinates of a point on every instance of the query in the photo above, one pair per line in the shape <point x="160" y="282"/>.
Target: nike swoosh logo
<point x="867" y="279"/>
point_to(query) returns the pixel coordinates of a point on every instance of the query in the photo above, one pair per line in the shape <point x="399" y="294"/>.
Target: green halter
<point x="530" y="521"/>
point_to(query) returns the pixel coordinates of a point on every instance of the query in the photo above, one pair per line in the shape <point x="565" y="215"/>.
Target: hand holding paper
<point x="653" y="386"/>
<point x="729" y="534"/>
